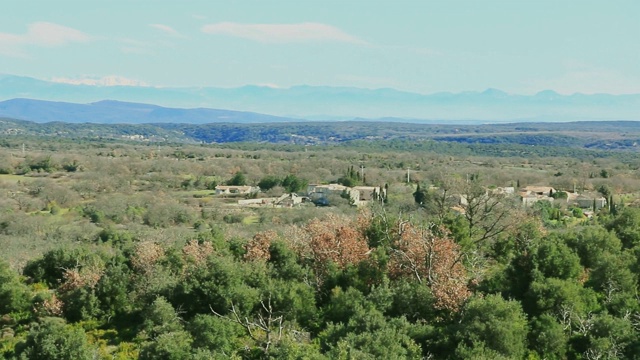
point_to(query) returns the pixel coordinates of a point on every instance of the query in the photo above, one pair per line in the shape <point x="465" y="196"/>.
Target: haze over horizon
<point x="419" y="47"/>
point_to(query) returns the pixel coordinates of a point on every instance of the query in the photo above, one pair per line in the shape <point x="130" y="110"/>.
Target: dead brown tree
<point x="433" y="261"/>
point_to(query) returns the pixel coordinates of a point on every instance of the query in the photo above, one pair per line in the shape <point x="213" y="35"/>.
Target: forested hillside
<point x="593" y="135"/>
<point x="123" y="250"/>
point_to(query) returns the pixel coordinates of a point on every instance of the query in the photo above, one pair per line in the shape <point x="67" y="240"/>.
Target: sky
<point x="422" y="46"/>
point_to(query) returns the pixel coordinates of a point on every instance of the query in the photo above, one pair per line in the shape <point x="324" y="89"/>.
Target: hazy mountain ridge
<point x="117" y="112"/>
<point x="315" y="102"/>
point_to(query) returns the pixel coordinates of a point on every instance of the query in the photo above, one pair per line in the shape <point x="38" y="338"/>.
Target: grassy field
<point x="14" y="179"/>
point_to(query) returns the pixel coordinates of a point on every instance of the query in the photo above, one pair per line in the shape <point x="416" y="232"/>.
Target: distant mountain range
<point x="118" y="112"/>
<point x="246" y="104"/>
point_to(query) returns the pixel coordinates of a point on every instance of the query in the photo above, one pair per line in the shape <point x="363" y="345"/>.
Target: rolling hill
<point x="117" y="112"/>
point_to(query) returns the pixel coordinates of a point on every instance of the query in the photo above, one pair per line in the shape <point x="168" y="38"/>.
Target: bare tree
<point x="266" y="330"/>
<point x="488" y="213"/>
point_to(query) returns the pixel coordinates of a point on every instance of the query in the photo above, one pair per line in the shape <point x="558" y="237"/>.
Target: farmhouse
<point x="229" y="189"/>
<point x="539" y="190"/>
<point x="286" y="200"/>
<point x="533" y="194"/>
<point x="587" y="202"/>
<point x="320" y="194"/>
<point x="358" y="195"/>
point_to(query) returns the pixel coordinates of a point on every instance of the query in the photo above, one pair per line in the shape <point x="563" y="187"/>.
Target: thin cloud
<point x="167" y="30"/>
<point x="111" y="80"/>
<point x="43" y="34"/>
<point x="282" y="33"/>
<point x="49" y="34"/>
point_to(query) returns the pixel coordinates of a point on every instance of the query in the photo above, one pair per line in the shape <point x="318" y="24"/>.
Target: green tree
<point x="557" y="296"/>
<point x="14" y="295"/>
<point x="411" y="300"/>
<point x="605" y="190"/>
<point x="174" y="345"/>
<point x="495" y="324"/>
<point x="168" y="339"/>
<point x="161" y="318"/>
<point x="610" y="337"/>
<point x="590" y="242"/>
<point x="347" y="181"/>
<point x="612" y="278"/>
<point x="367" y="334"/>
<point x="215" y="334"/>
<point x="548" y="337"/>
<point x="293" y="183"/>
<point x="113" y="289"/>
<point x="238" y="179"/>
<point x="420" y="195"/>
<point x="269" y="182"/>
<point x="626" y="225"/>
<point x="218" y="284"/>
<point x="283" y="263"/>
<point x="81" y="304"/>
<point x="53" y="339"/>
<point x="556" y="259"/>
<point x="51" y="267"/>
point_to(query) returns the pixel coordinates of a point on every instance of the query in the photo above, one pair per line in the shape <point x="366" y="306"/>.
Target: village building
<point x="358" y="195"/>
<point x="319" y="194"/>
<point x="232" y="189"/>
<point x="539" y="190"/>
<point x="532" y="194"/>
<point x="286" y="200"/>
<point x="586" y="201"/>
<point x="507" y="190"/>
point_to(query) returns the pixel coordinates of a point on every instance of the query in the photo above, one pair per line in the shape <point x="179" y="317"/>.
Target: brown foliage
<point x="195" y="254"/>
<point x="337" y="239"/>
<point x="432" y="260"/>
<point x="146" y="255"/>
<point x="333" y="239"/>
<point x="409" y="251"/>
<point x="49" y="307"/>
<point x="258" y="247"/>
<point x="448" y="276"/>
<point x="80" y="277"/>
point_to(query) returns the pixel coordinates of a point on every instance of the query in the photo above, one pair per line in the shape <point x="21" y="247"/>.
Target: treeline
<point x="554" y="140"/>
<point x="619" y="135"/>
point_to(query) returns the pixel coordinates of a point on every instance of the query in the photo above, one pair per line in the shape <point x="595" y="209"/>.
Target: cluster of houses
<point x="533" y="194"/>
<point x="357" y="195"/>
<point x="588" y="202"/>
<point x="361" y="195"/>
<point x="321" y="195"/>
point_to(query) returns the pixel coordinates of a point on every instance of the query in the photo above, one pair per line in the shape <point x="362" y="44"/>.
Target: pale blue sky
<point x="421" y="46"/>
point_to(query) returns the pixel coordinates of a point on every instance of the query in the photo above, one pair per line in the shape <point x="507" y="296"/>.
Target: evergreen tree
<point x="238" y="179"/>
<point x="420" y="195"/>
<point x="53" y="339"/>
